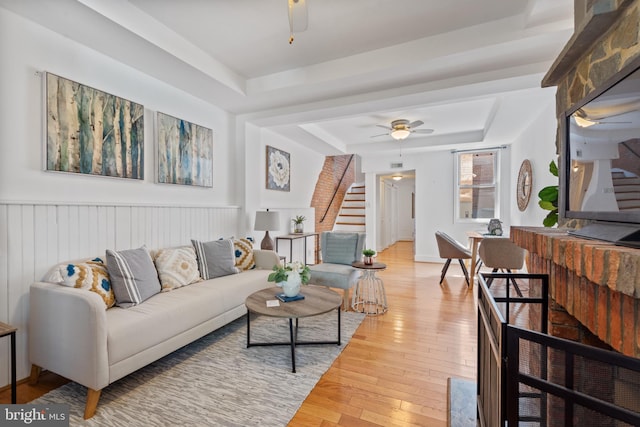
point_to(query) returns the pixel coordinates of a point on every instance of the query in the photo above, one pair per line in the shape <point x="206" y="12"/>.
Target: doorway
<point x="396" y="209"/>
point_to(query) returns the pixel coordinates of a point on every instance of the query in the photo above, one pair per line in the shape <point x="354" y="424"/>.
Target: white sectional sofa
<point x="73" y="334"/>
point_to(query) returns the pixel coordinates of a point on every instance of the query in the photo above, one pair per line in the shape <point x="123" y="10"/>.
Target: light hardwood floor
<point x="394" y="370"/>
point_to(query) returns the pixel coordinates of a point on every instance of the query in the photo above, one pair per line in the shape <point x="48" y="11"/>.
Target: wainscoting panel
<point x="35" y="237"/>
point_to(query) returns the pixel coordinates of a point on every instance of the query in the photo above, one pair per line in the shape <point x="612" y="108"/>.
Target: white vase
<point x="291" y="287"/>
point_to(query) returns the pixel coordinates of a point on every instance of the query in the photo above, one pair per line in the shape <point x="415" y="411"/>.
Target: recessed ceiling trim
<point x="146" y="27"/>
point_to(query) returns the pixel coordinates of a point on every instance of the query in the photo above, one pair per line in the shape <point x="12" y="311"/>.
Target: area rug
<point x="217" y="380"/>
<point x="462" y="402"/>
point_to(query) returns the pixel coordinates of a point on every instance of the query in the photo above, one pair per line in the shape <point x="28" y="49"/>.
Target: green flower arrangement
<point x="281" y="272"/>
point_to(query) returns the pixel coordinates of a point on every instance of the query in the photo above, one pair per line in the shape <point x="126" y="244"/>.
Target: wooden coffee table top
<point x="317" y="300"/>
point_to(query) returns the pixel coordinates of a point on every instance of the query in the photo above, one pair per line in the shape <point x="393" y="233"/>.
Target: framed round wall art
<point x="524" y="185"/>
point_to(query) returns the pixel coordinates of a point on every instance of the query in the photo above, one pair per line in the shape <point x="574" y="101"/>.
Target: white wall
<point x="305" y="168"/>
<point x="27" y="50"/>
<point x="434" y="189"/>
<point x="538" y="144"/>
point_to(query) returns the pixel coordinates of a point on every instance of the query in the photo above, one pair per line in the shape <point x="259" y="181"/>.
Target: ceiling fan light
<point x="582" y="122"/>
<point x="400" y="134"/>
<point x="397" y="177"/>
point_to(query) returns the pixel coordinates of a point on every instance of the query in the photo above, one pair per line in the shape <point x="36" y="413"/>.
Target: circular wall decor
<point x="524" y="185"/>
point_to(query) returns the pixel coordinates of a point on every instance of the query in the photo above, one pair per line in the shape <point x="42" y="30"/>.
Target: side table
<point x="292" y="237"/>
<point x="4" y="331"/>
<point x="369" y="296"/>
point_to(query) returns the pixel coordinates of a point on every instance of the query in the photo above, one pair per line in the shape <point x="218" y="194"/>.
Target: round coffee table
<point x="369" y="296"/>
<point x="317" y="300"/>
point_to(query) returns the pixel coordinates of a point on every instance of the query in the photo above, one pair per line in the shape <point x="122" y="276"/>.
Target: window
<point x="477" y="190"/>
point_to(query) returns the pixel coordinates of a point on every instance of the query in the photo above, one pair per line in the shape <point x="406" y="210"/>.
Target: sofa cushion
<point x="341" y="248"/>
<point x="133" y="276"/>
<point x="90" y="275"/>
<point x="333" y="275"/>
<point x="169" y="314"/>
<point x="244" y="254"/>
<point x="176" y="267"/>
<point x="216" y="258"/>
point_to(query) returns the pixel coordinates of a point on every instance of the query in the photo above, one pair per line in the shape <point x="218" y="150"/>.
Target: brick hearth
<point x="596" y="282"/>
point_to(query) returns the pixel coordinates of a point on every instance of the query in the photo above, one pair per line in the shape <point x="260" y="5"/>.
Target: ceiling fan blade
<point x="385" y="127"/>
<point x="416" y="123"/>
<point x="425" y="131"/>
<point x="382" y="134"/>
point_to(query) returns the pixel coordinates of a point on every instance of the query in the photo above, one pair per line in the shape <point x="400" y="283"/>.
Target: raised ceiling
<point x="469" y="69"/>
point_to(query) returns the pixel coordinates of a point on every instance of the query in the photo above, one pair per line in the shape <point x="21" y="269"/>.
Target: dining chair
<point x="501" y="254"/>
<point x="449" y="249"/>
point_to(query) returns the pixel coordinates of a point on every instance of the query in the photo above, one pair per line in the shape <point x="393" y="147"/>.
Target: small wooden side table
<point x="4" y="331"/>
<point x="369" y="296"/>
<point x="292" y="237"/>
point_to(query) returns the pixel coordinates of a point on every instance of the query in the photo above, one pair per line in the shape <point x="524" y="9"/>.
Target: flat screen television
<point x="600" y="175"/>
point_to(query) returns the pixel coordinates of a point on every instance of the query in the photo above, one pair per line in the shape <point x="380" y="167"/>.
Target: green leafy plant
<point x="368" y="252"/>
<point x="281" y="272"/>
<point x="299" y="219"/>
<point x="549" y="199"/>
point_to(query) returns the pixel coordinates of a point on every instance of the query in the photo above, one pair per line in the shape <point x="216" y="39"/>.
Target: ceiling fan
<point x="584" y="121"/>
<point x="401" y="129"/>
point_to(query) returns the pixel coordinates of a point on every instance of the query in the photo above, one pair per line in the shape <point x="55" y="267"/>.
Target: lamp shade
<point x="267" y="221"/>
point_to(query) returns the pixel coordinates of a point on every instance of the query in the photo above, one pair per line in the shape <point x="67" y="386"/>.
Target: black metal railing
<point x="335" y="191"/>
<point x="578" y="385"/>
<point x="495" y="309"/>
<point x="528" y="378"/>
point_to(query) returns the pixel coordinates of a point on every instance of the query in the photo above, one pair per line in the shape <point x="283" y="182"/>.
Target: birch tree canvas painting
<point x="185" y="152"/>
<point x="92" y="132"/>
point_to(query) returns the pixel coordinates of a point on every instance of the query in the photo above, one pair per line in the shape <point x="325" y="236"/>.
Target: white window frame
<point x="457" y="186"/>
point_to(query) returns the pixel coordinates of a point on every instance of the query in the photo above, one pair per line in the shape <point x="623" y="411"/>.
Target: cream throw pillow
<point x="177" y="267"/>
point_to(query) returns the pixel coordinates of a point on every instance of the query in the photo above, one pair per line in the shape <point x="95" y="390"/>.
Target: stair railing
<point x="335" y="191"/>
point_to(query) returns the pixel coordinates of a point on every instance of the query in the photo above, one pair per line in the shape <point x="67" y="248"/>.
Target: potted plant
<point x="298" y="223"/>
<point x="368" y="256"/>
<point x="549" y="199"/>
<point x="290" y="276"/>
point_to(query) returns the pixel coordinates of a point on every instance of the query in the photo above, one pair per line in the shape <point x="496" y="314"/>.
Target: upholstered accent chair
<point x="338" y="250"/>
<point x="449" y="249"/>
<point x="500" y="253"/>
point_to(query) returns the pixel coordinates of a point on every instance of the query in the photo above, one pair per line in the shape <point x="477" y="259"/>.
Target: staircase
<point x="351" y="216"/>
<point x="627" y="190"/>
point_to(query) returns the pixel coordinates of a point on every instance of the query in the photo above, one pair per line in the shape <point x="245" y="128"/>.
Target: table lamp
<point x="266" y="221"/>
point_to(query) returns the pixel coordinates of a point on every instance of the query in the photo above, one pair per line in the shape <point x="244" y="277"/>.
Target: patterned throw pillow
<point x="177" y="267"/>
<point x="90" y="275"/>
<point x="244" y="254"/>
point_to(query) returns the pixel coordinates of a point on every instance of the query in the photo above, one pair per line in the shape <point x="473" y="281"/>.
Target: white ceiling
<point x="469" y="69"/>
